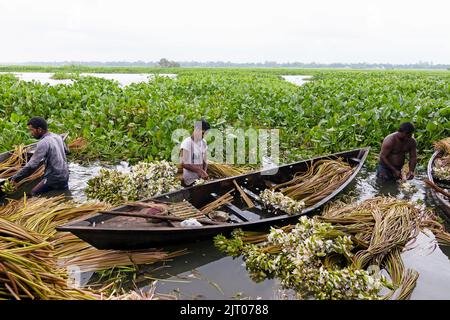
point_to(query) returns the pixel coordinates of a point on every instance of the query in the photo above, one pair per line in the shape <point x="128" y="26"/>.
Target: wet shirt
<point x="50" y="150"/>
<point x="196" y="154"/>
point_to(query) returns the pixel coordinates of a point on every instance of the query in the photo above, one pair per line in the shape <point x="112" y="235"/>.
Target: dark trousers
<point x="44" y="187"/>
<point x="385" y="173"/>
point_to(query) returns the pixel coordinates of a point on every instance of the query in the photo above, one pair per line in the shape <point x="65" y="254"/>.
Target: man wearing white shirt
<point x="193" y="154"/>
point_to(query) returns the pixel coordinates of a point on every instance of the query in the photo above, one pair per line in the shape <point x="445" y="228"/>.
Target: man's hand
<point x="409" y="175"/>
<point x="203" y="175"/>
<point x="397" y="174"/>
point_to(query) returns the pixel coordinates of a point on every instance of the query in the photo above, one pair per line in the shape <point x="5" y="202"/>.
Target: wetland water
<point x="124" y="79"/>
<point x="205" y="273"/>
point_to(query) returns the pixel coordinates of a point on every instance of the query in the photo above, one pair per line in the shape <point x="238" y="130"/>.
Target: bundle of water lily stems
<point x="443" y="146"/>
<point x="78" y="144"/>
<point x="381" y="228"/>
<point x="319" y="181"/>
<point x="441" y="169"/>
<point x="31" y="247"/>
<point x="15" y="162"/>
<point x="222" y="170"/>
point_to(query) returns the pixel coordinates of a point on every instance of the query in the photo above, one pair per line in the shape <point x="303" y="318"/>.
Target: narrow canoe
<point x="108" y="231"/>
<point x="438" y="198"/>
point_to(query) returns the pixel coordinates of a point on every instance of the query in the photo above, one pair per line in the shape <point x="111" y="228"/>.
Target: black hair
<point x="406" y="127"/>
<point x="202" y="124"/>
<point x="38" y="122"/>
<point x="205" y="125"/>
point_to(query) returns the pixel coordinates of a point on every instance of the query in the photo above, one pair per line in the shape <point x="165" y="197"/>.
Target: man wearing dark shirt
<point x="50" y="151"/>
<point x="393" y="150"/>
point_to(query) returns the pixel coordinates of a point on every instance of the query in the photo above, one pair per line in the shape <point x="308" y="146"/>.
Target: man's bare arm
<point x="412" y="159"/>
<point x="191" y="167"/>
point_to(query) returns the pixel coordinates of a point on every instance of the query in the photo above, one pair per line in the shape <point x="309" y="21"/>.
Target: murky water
<point x="205" y="273"/>
<point x="297" y="80"/>
<point x="124" y="79"/>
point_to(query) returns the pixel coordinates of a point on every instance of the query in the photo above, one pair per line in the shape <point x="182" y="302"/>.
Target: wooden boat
<point x="109" y="231"/>
<point x="442" y="201"/>
<point x="30" y="150"/>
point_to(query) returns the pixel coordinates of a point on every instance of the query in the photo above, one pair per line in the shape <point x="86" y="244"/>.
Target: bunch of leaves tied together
<point x="143" y="181"/>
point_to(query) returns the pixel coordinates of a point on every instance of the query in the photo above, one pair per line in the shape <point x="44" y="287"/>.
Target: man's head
<point x="406" y="130"/>
<point x="200" y="128"/>
<point x="37" y="127"/>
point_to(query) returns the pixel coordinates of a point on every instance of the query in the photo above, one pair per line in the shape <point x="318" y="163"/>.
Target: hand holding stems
<point x="409" y="175"/>
<point x="203" y="174"/>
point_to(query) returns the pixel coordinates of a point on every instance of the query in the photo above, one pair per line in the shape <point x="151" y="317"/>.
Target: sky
<point x="322" y="31"/>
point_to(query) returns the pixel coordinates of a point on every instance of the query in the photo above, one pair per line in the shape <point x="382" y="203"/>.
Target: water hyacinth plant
<point x="144" y="180"/>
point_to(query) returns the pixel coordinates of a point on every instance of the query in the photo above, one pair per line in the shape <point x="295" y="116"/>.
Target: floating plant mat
<point x="352" y="251"/>
<point x="33" y="222"/>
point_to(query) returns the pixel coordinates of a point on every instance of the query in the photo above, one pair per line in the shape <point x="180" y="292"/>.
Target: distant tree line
<point x="165" y="63"/>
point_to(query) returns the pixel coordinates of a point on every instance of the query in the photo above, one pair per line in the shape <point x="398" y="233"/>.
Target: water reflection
<point x="124" y="79"/>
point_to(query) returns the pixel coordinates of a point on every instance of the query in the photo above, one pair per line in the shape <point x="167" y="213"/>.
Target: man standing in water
<point x="51" y="151"/>
<point x="393" y="150"/>
<point x="193" y="154"/>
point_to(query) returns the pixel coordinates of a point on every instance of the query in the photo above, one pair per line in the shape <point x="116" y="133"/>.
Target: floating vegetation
<point x="117" y="125"/>
<point x="319" y="181"/>
<point x="339" y="255"/>
<point x="144" y="180"/>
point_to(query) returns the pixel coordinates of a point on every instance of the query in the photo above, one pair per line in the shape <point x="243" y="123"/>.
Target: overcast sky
<point x="326" y="31"/>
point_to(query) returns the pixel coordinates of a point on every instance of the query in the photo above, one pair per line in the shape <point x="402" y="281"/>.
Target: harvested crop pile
<point x="28" y="268"/>
<point x="308" y="188"/>
<point x="338" y="255"/>
<point x="443" y="146"/>
<point x="441" y="169"/>
<point x="12" y="165"/>
<point x="223" y="170"/>
<point x="30" y="246"/>
<point x="144" y="180"/>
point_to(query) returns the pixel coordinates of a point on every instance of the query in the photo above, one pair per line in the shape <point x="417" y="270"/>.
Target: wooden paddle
<point x="244" y="196"/>
<point x="156" y="216"/>
<point x="438" y="189"/>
